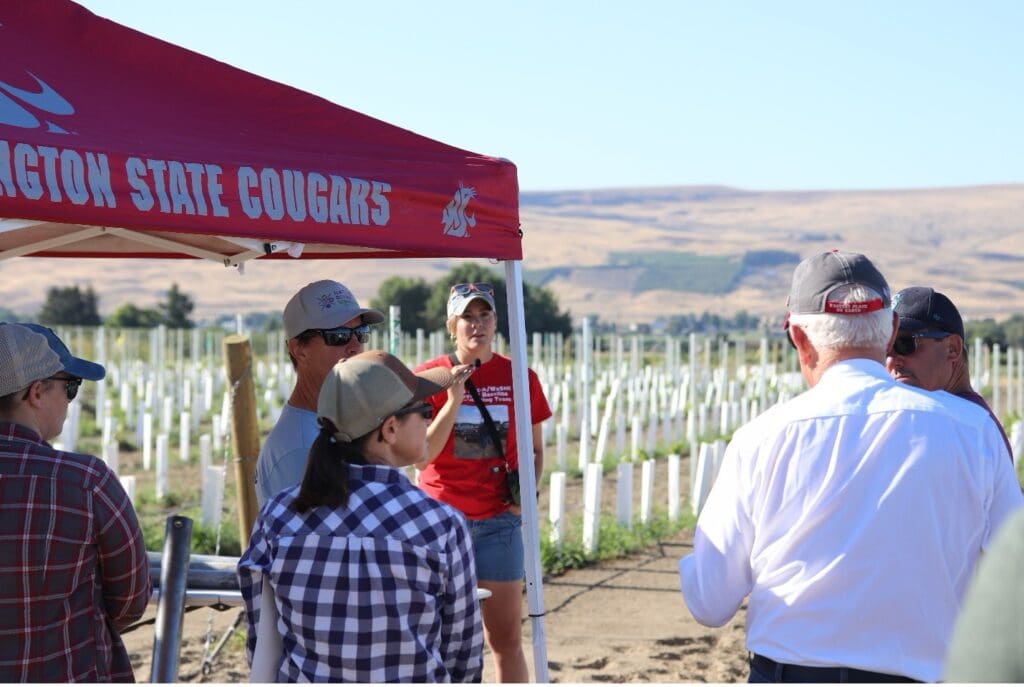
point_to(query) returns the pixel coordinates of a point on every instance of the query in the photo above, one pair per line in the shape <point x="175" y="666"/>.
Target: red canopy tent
<point x="105" y="127"/>
<point x="116" y="144"/>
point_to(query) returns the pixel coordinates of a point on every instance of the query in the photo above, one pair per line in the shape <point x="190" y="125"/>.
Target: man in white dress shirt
<point x="853" y="515"/>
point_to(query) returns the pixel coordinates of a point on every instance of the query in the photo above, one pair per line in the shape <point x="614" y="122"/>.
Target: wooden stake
<point x="245" y="435"/>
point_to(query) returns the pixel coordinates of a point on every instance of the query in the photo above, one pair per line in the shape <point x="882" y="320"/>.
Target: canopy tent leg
<point x="527" y="479"/>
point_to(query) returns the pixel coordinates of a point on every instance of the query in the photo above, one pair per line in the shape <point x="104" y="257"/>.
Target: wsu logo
<point x="15" y="104"/>
<point x="455" y="219"/>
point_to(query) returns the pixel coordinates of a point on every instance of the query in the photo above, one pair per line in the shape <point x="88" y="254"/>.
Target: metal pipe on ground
<point x="170" y="610"/>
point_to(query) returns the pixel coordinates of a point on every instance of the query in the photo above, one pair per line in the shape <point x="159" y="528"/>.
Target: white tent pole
<point x="527" y="480"/>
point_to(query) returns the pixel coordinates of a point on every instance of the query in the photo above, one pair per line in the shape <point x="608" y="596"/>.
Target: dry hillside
<point x="632" y="255"/>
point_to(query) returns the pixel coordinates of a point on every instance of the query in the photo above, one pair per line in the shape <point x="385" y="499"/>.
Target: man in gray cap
<point x="73" y="567"/>
<point x="852" y="515"/>
<point x="324" y="324"/>
<point x="930" y="349"/>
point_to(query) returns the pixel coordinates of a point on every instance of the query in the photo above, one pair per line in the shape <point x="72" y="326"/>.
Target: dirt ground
<point x="622" y="620"/>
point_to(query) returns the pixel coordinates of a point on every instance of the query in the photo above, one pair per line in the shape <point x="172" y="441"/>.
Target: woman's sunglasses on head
<point x="906" y="344"/>
<point x="469" y="287"/>
<point x="339" y="336"/>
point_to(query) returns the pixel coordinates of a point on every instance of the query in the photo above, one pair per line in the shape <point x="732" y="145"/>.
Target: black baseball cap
<point x="817" y="277"/>
<point x="924" y="309"/>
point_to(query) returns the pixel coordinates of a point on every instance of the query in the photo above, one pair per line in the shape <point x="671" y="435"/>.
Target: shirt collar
<point x="12" y="430"/>
<point x="377" y="473"/>
<point x="854" y="366"/>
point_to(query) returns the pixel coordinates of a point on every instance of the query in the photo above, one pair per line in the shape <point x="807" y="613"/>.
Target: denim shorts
<point x="498" y="547"/>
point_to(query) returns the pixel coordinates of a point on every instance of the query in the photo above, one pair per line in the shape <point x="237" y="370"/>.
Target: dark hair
<point x="325" y="482"/>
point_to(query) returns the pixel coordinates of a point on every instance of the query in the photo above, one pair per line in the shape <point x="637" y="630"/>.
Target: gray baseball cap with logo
<point x="324" y="304"/>
<point x="818" y="277"/>
<point x="362" y="391"/>
<point x="30" y="352"/>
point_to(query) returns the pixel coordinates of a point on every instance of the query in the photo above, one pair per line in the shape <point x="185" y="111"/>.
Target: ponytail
<point x="325" y="482"/>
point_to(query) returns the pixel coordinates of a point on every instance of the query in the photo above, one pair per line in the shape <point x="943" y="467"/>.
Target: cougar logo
<point x="14" y="112"/>
<point x="456" y="221"/>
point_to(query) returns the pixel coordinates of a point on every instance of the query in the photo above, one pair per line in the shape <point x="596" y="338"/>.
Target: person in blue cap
<point x="73" y="567"/>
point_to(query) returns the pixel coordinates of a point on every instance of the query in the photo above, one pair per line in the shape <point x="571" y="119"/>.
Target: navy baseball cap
<point x="76" y="367"/>
<point x="924" y="309"/>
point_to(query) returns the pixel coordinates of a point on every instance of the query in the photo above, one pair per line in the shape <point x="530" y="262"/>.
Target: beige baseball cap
<point x="324" y="304"/>
<point x="361" y="392"/>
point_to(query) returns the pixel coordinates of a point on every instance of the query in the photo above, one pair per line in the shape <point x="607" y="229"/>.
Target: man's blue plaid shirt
<point x="380" y="590"/>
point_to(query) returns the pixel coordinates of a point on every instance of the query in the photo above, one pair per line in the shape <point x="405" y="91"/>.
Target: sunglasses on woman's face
<point x="468" y="288"/>
<point x="906" y="344"/>
<point x="340" y="336"/>
<point x="423" y="409"/>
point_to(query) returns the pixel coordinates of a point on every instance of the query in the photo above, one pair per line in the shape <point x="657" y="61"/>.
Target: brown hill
<point x="632" y="255"/>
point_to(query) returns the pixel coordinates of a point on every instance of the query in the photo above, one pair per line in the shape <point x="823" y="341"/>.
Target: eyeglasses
<point x="789" y="334"/>
<point x="789" y="337"/>
<point x="468" y="288"/>
<point x="71" y="385"/>
<point x="340" y="336"/>
<point x="424" y="409"/>
<point x="906" y="344"/>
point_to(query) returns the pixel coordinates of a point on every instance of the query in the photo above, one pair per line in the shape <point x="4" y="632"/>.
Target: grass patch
<point x="681" y="271"/>
<point x="204" y="539"/>
<point x="614" y="540"/>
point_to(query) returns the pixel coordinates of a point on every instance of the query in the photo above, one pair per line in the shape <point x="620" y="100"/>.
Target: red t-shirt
<point x="469" y="473"/>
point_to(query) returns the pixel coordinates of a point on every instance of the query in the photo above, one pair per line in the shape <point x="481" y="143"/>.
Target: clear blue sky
<point x="759" y="95"/>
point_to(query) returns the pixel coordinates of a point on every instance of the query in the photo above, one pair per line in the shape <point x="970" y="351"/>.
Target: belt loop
<point x="779" y="668"/>
<point x="844" y="674"/>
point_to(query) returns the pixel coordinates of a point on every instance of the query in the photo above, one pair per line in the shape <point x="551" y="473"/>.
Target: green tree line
<point x="424" y="304"/>
<point x="71" y="305"/>
<point x="1009" y="332"/>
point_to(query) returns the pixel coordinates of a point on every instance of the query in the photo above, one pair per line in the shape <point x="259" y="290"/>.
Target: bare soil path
<point x="621" y="620"/>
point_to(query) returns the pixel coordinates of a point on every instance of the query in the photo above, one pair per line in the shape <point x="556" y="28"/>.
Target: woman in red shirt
<point x="468" y="471"/>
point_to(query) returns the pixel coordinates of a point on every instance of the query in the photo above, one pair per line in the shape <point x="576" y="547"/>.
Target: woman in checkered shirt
<point x="374" y="581"/>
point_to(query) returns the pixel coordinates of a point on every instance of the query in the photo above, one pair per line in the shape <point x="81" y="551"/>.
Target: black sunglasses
<point x="789" y="337"/>
<point x="71" y="385"/>
<point x="424" y="409"/>
<point x="468" y="288"/>
<point x="906" y="344"/>
<point x="339" y="336"/>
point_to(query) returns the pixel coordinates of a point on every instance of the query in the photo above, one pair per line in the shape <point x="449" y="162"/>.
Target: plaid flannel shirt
<point x="73" y="567"/>
<point x="380" y="590"/>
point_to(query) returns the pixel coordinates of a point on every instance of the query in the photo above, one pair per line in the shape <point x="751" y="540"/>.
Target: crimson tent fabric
<point x="101" y="125"/>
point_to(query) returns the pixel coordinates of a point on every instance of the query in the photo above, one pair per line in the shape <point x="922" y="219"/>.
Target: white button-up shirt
<point x="852" y="516"/>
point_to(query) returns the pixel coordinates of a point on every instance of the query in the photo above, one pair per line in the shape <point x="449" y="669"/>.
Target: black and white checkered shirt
<point x="381" y="590"/>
